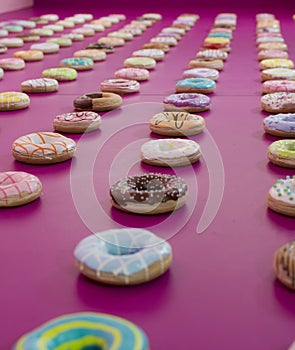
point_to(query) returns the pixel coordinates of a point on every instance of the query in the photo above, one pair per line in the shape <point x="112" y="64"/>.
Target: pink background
<point x="12" y="5"/>
<point x="221" y="292"/>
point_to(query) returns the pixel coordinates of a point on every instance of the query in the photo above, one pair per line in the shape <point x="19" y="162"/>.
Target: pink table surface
<point x="220" y="292"/>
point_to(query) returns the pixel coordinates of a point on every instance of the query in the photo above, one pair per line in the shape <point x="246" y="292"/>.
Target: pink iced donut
<point x="207" y="73"/>
<point x="138" y="74"/>
<point x="267" y="54"/>
<point x="187" y="102"/>
<point x="18" y="188"/>
<point x="77" y="122"/>
<point x="271" y="86"/>
<point x="120" y="86"/>
<point x="12" y="63"/>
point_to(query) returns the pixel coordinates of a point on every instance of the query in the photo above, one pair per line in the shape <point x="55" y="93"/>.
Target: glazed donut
<point x="282" y="125"/>
<point x="198" y="85"/>
<point x="25" y="23"/>
<point x="125" y="256"/>
<point x="40" y="85"/>
<point x="177" y="124"/>
<point x="12" y="63"/>
<point x="135" y="31"/>
<point x="46" y="48"/>
<point x="269" y="39"/>
<point x="284" y="263"/>
<point x="156" y="54"/>
<point x="270" y="86"/>
<point x="120" y="86"/>
<point x="29" y="55"/>
<point x="149" y="194"/>
<point x="278" y="102"/>
<point x="207" y="73"/>
<point x="138" y="74"/>
<point x="60" y="74"/>
<point x="43" y="148"/>
<point x="75" y="20"/>
<point x="152" y="16"/>
<point x="212" y="55"/>
<point x="276" y="63"/>
<point x="140" y="62"/>
<point x="77" y="122"/>
<point x="180" y="31"/>
<point x="94" y="54"/>
<point x="269" y="54"/>
<point x="282" y="153"/>
<point x="1" y="73"/>
<point x="18" y="188"/>
<point x="98" y="102"/>
<point x="206" y="63"/>
<point x="170" y="152"/>
<point x="278" y="74"/>
<point x="3" y="32"/>
<point x="222" y="44"/>
<point x="119" y="16"/>
<point x="190" y="103"/>
<point x="78" y="63"/>
<point x="87" y="330"/>
<point x="11" y="100"/>
<point x="61" y="41"/>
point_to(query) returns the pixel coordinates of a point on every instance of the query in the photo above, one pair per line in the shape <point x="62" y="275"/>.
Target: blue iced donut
<point x="85" y="331"/>
<point x="198" y="85"/>
<point x="220" y="35"/>
<point x="78" y="63"/>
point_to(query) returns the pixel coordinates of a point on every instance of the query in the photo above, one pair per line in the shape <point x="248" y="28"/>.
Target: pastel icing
<point x="149" y="52"/>
<point x="42" y="31"/>
<point x="120" y="84"/>
<point x="178" y="120"/>
<point x="164" y="40"/>
<point x="214" y="54"/>
<point x="61" y="41"/>
<point x="270" y="86"/>
<point x="40" y="82"/>
<point x="183" y="100"/>
<point x="169" y="148"/>
<point x="197" y="83"/>
<point x="280" y="72"/>
<point x="77" y="117"/>
<point x="12" y="41"/>
<point x="278" y="100"/>
<point x="273" y="54"/>
<point x="11" y="97"/>
<point x="282" y="122"/>
<point x="44" y="144"/>
<point x="17" y="184"/>
<point x="283" y="149"/>
<point x="208" y="73"/>
<point x="276" y="63"/>
<point x="284" y="190"/>
<point x="132" y="73"/>
<point x="1" y="73"/>
<point x="60" y="73"/>
<point x="122" y="251"/>
<point x="220" y="35"/>
<point x="74" y="36"/>
<point x="13" y="28"/>
<point x="77" y="62"/>
<point x="140" y="61"/>
<point x="45" y="47"/>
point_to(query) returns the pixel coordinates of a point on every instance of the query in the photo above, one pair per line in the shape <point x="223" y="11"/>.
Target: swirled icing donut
<point x="268" y="54"/>
<point x="125" y="256"/>
<point x="276" y="63"/>
<point x="84" y="31"/>
<point x="18" y="188"/>
<point x="29" y="55"/>
<point x="12" y="42"/>
<point x="212" y="54"/>
<point x="39" y="85"/>
<point x="138" y="74"/>
<point x="278" y="73"/>
<point x="122" y="35"/>
<point x="170" y="40"/>
<point x="94" y="54"/>
<point x="120" y="86"/>
<point x="111" y="41"/>
<point x="98" y="102"/>
<point x="61" y="41"/>
<point x="156" y="54"/>
<point x="77" y="122"/>
<point x="87" y="330"/>
<point x="198" y="85"/>
<point x="42" y="32"/>
<point x="149" y="194"/>
<point x="282" y="125"/>
<point x="170" y="152"/>
<point x="43" y="148"/>
<point x="177" y="124"/>
<point x="284" y="261"/>
<point x="206" y="63"/>
<point x="135" y="31"/>
<point x="12" y="63"/>
<point x="46" y="48"/>
<point x="60" y="74"/>
<point x="140" y="62"/>
<point x="78" y="63"/>
<point x="190" y="103"/>
<point x="207" y="73"/>
<point x="271" y="86"/>
<point x="263" y="35"/>
<point x="282" y="153"/>
<point x="279" y="102"/>
<point x="11" y="100"/>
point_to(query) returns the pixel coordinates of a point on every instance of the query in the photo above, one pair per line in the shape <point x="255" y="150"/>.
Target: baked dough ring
<point x="98" y="102"/>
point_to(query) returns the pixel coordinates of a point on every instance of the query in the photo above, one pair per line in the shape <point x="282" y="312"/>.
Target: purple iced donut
<point x="282" y="125"/>
<point x="190" y="103"/>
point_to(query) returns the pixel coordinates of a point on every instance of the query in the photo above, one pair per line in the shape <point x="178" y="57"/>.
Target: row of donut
<point x="281" y="196"/>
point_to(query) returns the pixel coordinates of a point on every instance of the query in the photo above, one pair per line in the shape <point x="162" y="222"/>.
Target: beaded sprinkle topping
<point x="284" y="189"/>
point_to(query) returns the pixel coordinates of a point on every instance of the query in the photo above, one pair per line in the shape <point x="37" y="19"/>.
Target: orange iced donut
<point x="29" y="55"/>
<point x="18" y="188"/>
<point x="11" y="100"/>
<point x="43" y="148"/>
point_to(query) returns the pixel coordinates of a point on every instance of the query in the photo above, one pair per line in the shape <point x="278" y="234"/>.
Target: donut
<point x="169" y="35"/>
<point x="207" y="73"/>
<point x="170" y="40"/>
<point x="18" y="188"/>
<point x="12" y="28"/>
<point x="29" y="55"/>
<point x="42" y="32"/>
<point x="264" y="16"/>
<point x="74" y="36"/>
<point x="75" y="20"/>
<point x="269" y="39"/>
<point x="55" y="27"/>
<point x="282" y="153"/>
<point x="84" y="31"/>
<point x="212" y="54"/>
<point x="270" y="86"/>
<point x="120" y="86"/>
<point x="185" y="102"/>
<point x="78" y="63"/>
<point x="85" y="16"/>
<point x="96" y="27"/>
<point x="222" y="44"/>
<point x="268" y="54"/>
<point x="111" y="41"/>
<point x="170" y="152"/>
<point x="12" y="42"/>
<point x="138" y="74"/>
<point x="25" y="23"/>
<point x="198" y="85"/>
<point x="180" y="31"/>
<point x="38" y="20"/>
<point x="77" y="122"/>
<point x="3" y="48"/>
<point x="140" y="62"/>
<point x="12" y="63"/>
<point x="102" y="47"/>
<point x="156" y="54"/>
<point x="106" y="24"/>
<point x="152" y="16"/>
<point x="51" y="17"/>
<point x="39" y="85"/>
<point x="158" y="46"/>
<point x="274" y="35"/>
<point x="60" y="41"/>
<point x="278" y="102"/>
<point x="46" y="48"/>
<point x="85" y="330"/>
<point x="11" y="100"/>
<point x="60" y="74"/>
<point x="284" y="264"/>
<point x="119" y="16"/>
<point x="1" y="73"/>
<point x="282" y="125"/>
<point x="206" y="63"/>
<point x="177" y="124"/>
<point x="43" y="148"/>
<point x="278" y="73"/>
<point x="112" y="20"/>
<point x="3" y="32"/>
<point x="93" y="54"/>
<point x="65" y="24"/>
<point x="98" y="102"/>
<point x="220" y="35"/>
<point x="149" y="194"/>
<point x="126" y="256"/>
<point x="135" y="31"/>
<point x="273" y="46"/>
<point x="276" y="63"/>
<point x="122" y="35"/>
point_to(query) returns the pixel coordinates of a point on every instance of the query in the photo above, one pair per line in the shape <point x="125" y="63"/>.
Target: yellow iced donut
<point x="11" y="100"/>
